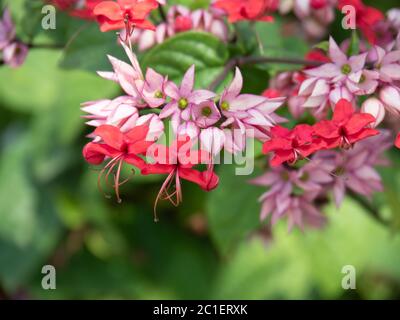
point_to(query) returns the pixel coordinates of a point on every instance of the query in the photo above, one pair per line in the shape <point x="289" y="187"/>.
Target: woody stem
<point x="368" y="207"/>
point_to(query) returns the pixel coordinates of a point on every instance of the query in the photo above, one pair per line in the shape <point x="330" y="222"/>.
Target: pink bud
<point x="376" y="108"/>
<point x="390" y="96"/>
<point x="340" y="93"/>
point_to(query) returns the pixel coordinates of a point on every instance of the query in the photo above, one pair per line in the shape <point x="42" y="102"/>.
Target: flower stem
<point x="369" y="208"/>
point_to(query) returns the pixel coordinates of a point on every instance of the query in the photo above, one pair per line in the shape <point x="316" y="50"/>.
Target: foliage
<point x="213" y="246"/>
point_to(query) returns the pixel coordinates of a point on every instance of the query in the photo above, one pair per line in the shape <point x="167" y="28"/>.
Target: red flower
<point x="247" y="9"/>
<point x="318" y="4"/>
<point x="271" y="93"/>
<point x="397" y="142"/>
<point x="178" y="161"/>
<point x="77" y="8"/>
<point x="127" y="14"/>
<point x="346" y="126"/>
<point x="120" y="147"/>
<point x="290" y="145"/>
<point x="183" y="23"/>
<point x="367" y="17"/>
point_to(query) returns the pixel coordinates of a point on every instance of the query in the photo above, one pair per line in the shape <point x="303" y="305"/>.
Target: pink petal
<point x="187" y="82"/>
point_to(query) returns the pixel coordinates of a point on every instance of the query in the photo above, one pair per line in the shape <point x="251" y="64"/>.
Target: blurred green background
<point x="213" y="245"/>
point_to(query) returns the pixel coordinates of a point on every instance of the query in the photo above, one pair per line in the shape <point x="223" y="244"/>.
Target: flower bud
<point x="390" y="96"/>
<point x="376" y="108"/>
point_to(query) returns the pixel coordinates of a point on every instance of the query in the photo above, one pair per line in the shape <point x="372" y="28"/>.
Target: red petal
<point x="109" y="25"/>
<point x="111" y="135"/>
<point x="109" y="9"/>
<point x="136" y="134"/>
<point x="157" y="169"/>
<point x="135" y="161"/>
<point x="343" y="111"/>
<point x="94" y="153"/>
<point x="142" y="9"/>
<point x="303" y="133"/>
<point x="358" y="121"/>
<point x="326" y="129"/>
<point x="279" y="131"/>
<point x="144" y="24"/>
<point x="397" y="142"/>
<point x="276" y="144"/>
<point x="364" y="133"/>
<point x="207" y="180"/>
<point x="281" y="157"/>
<point x="139" y="147"/>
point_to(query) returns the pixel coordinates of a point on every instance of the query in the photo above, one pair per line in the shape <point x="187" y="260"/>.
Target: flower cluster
<point x="13" y="51"/>
<point x="324" y="155"/>
<point x="180" y="19"/>
<point x="296" y="193"/>
<point x="194" y="114"/>
<point x="77" y="8"/>
<point x="256" y="10"/>
<point x="315" y="15"/>
<point x="346" y="128"/>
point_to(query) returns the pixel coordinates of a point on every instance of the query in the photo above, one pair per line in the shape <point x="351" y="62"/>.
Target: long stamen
<point x="110" y="163"/>
<point x="116" y="181"/>
<point x="164" y="185"/>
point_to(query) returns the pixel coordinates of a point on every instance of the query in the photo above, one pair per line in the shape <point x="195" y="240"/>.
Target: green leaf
<point x="232" y="209"/>
<point x="90" y="48"/>
<point x="324" y="46"/>
<point x="29" y="227"/>
<point x="40" y="86"/>
<point x="354" y="47"/>
<point x="192" y="4"/>
<point x="174" y="56"/>
<point x="275" y="44"/>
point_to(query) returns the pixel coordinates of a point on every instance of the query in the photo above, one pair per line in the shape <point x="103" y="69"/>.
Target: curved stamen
<point x="164" y="185"/>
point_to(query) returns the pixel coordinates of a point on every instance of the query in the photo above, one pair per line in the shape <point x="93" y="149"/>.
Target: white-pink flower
<point x="342" y="68"/>
<point x="248" y="111"/>
<point x="183" y="99"/>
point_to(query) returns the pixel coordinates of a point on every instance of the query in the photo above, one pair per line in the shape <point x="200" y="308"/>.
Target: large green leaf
<point x="277" y="45"/>
<point x="89" y="49"/>
<point x="233" y="209"/>
<point x="174" y="56"/>
<point x="29" y="228"/>
<point x="39" y="86"/>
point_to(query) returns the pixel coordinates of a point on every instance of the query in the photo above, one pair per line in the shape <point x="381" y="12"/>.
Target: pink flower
<point x="248" y="111"/>
<point x="153" y="89"/>
<point x="15" y="54"/>
<point x="148" y="91"/>
<point x="387" y="63"/>
<point x="212" y="140"/>
<point x="354" y="168"/>
<point x="280" y="201"/>
<point x="120" y="112"/>
<point x="210" y="22"/>
<point x="364" y="85"/>
<point x="189" y="129"/>
<point x="183" y="99"/>
<point x="7" y="30"/>
<point x="340" y="92"/>
<point x="206" y="114"/>
<point x="376" y="108"/>
<point x="342" y="68"/>
<point x="390" y="96"/>
<point x="316" y="90"/>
